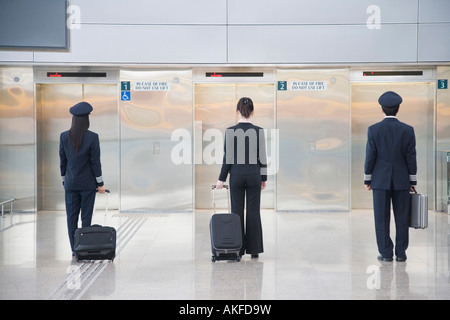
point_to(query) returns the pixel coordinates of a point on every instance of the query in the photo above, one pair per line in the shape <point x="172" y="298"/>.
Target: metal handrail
<point x="10" y="201"/>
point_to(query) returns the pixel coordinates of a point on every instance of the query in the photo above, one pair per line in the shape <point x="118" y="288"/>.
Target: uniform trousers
<point x="382" y="211"/>
<point x="77" y="201"/>
<point x="246" y="189"/>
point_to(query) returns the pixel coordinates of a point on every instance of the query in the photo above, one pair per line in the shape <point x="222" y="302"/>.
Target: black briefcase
<point x="95" y="243"/>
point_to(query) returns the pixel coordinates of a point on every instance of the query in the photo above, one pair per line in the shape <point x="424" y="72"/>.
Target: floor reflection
<point x="168" y="256"/>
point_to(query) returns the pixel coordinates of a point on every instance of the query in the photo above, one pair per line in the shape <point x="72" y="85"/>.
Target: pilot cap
<point x="389" y="99"/>
<point x="81" y="109"/>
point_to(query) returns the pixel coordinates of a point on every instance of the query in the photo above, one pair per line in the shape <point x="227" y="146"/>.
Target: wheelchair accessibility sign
<point x="125" y="96"/>
<point x="125" y="91"/>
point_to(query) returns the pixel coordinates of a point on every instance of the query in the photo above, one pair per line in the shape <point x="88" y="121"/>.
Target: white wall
<point x="252" y="31"/>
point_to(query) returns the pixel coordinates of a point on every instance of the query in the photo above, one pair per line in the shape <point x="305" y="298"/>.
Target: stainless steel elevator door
<point x="417" y="110"/>
<point x="156" y="142"/>
<point x="215" y="110"/>
<point x="314" y="133"/>
<point x="53" y="102"/>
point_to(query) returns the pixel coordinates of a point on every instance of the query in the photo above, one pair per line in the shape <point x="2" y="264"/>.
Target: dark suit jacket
<point x="81" y="170"/>
<point x="390" y="155"/>
<point x="245" y="151"/>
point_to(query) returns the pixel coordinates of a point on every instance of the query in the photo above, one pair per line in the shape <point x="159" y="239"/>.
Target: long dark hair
<point x="79" y="127"/>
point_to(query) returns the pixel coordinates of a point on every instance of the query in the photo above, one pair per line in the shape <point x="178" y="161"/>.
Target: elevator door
<point x="215" y="110"/>
<point x="417" y="110"/>
<point x="314" y="123"/>
<point x="53" y="102"/>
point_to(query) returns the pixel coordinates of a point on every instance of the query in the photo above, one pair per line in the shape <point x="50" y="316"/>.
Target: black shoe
<point x="255" y="256"/>
<point x="400" y="259"/>
<point x="381" y="258"/>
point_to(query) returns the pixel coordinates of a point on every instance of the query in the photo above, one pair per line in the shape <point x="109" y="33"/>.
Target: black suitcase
<point x="95" y="242"/>
<point x="226" y="234"/>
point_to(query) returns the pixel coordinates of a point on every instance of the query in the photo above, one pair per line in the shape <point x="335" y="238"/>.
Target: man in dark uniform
<point x="81" y="171"/>
<point x="390" y="171"/>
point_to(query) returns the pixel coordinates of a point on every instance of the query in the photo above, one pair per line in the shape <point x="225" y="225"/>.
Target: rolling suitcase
<point x="95" y="242"/>
<point x="226" y="234"/>
<point x="419" y="211"/>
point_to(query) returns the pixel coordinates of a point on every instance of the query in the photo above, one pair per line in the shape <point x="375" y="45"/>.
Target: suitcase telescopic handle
<point x="107" y="200"/>
<point x="213" y="186"/>
<point x="225" y="186"/>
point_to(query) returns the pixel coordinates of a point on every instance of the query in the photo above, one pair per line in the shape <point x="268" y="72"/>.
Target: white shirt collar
<point x="390" y="117"/>
<point x="245" y="120"/>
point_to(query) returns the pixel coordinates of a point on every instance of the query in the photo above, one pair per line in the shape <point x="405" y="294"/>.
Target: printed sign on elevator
<point x="282" y="85"/>
<point x="125" y="94"/>
<point x="125" y="85"/>
<point x="151" y="86"/>
<point x="442" y="84"/>
<point x="308" y="85"/>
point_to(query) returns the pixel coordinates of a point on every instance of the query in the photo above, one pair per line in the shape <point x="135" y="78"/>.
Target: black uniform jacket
<point x="245" y="151"/>
<point x="80" y="170"/>
<point x="390" y="155"/>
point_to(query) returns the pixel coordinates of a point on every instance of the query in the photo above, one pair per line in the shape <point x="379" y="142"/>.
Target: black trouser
<point x="382" y="211"/>
<point x="247" y="189"/>
<point x="76" y="201"/>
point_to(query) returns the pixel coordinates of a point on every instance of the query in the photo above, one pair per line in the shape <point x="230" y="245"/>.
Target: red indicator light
<point x="54" y="75"/>
<point x="233" y="74"/>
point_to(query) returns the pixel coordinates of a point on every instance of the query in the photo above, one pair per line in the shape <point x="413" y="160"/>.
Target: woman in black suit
<point x="245" y="160"/>
<point x="81" y="171"/>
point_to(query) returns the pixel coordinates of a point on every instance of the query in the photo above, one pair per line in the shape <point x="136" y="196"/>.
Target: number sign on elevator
<point x="442" y="84"/>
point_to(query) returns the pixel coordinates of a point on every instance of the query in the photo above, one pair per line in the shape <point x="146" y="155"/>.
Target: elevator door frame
<point x="199" y="78"/>
<point x="428" y="76"/>
<point x="45" y="76"/>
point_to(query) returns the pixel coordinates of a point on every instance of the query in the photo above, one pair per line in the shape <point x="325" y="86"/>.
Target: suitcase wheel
<point x="213" y="258"/>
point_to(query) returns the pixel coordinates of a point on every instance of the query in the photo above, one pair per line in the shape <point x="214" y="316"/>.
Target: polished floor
<point x="167" y="256"/>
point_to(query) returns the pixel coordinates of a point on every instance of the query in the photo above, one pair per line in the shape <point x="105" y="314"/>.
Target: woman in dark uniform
<point x="81" y="172"/>
<point x="245" y="160"/>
